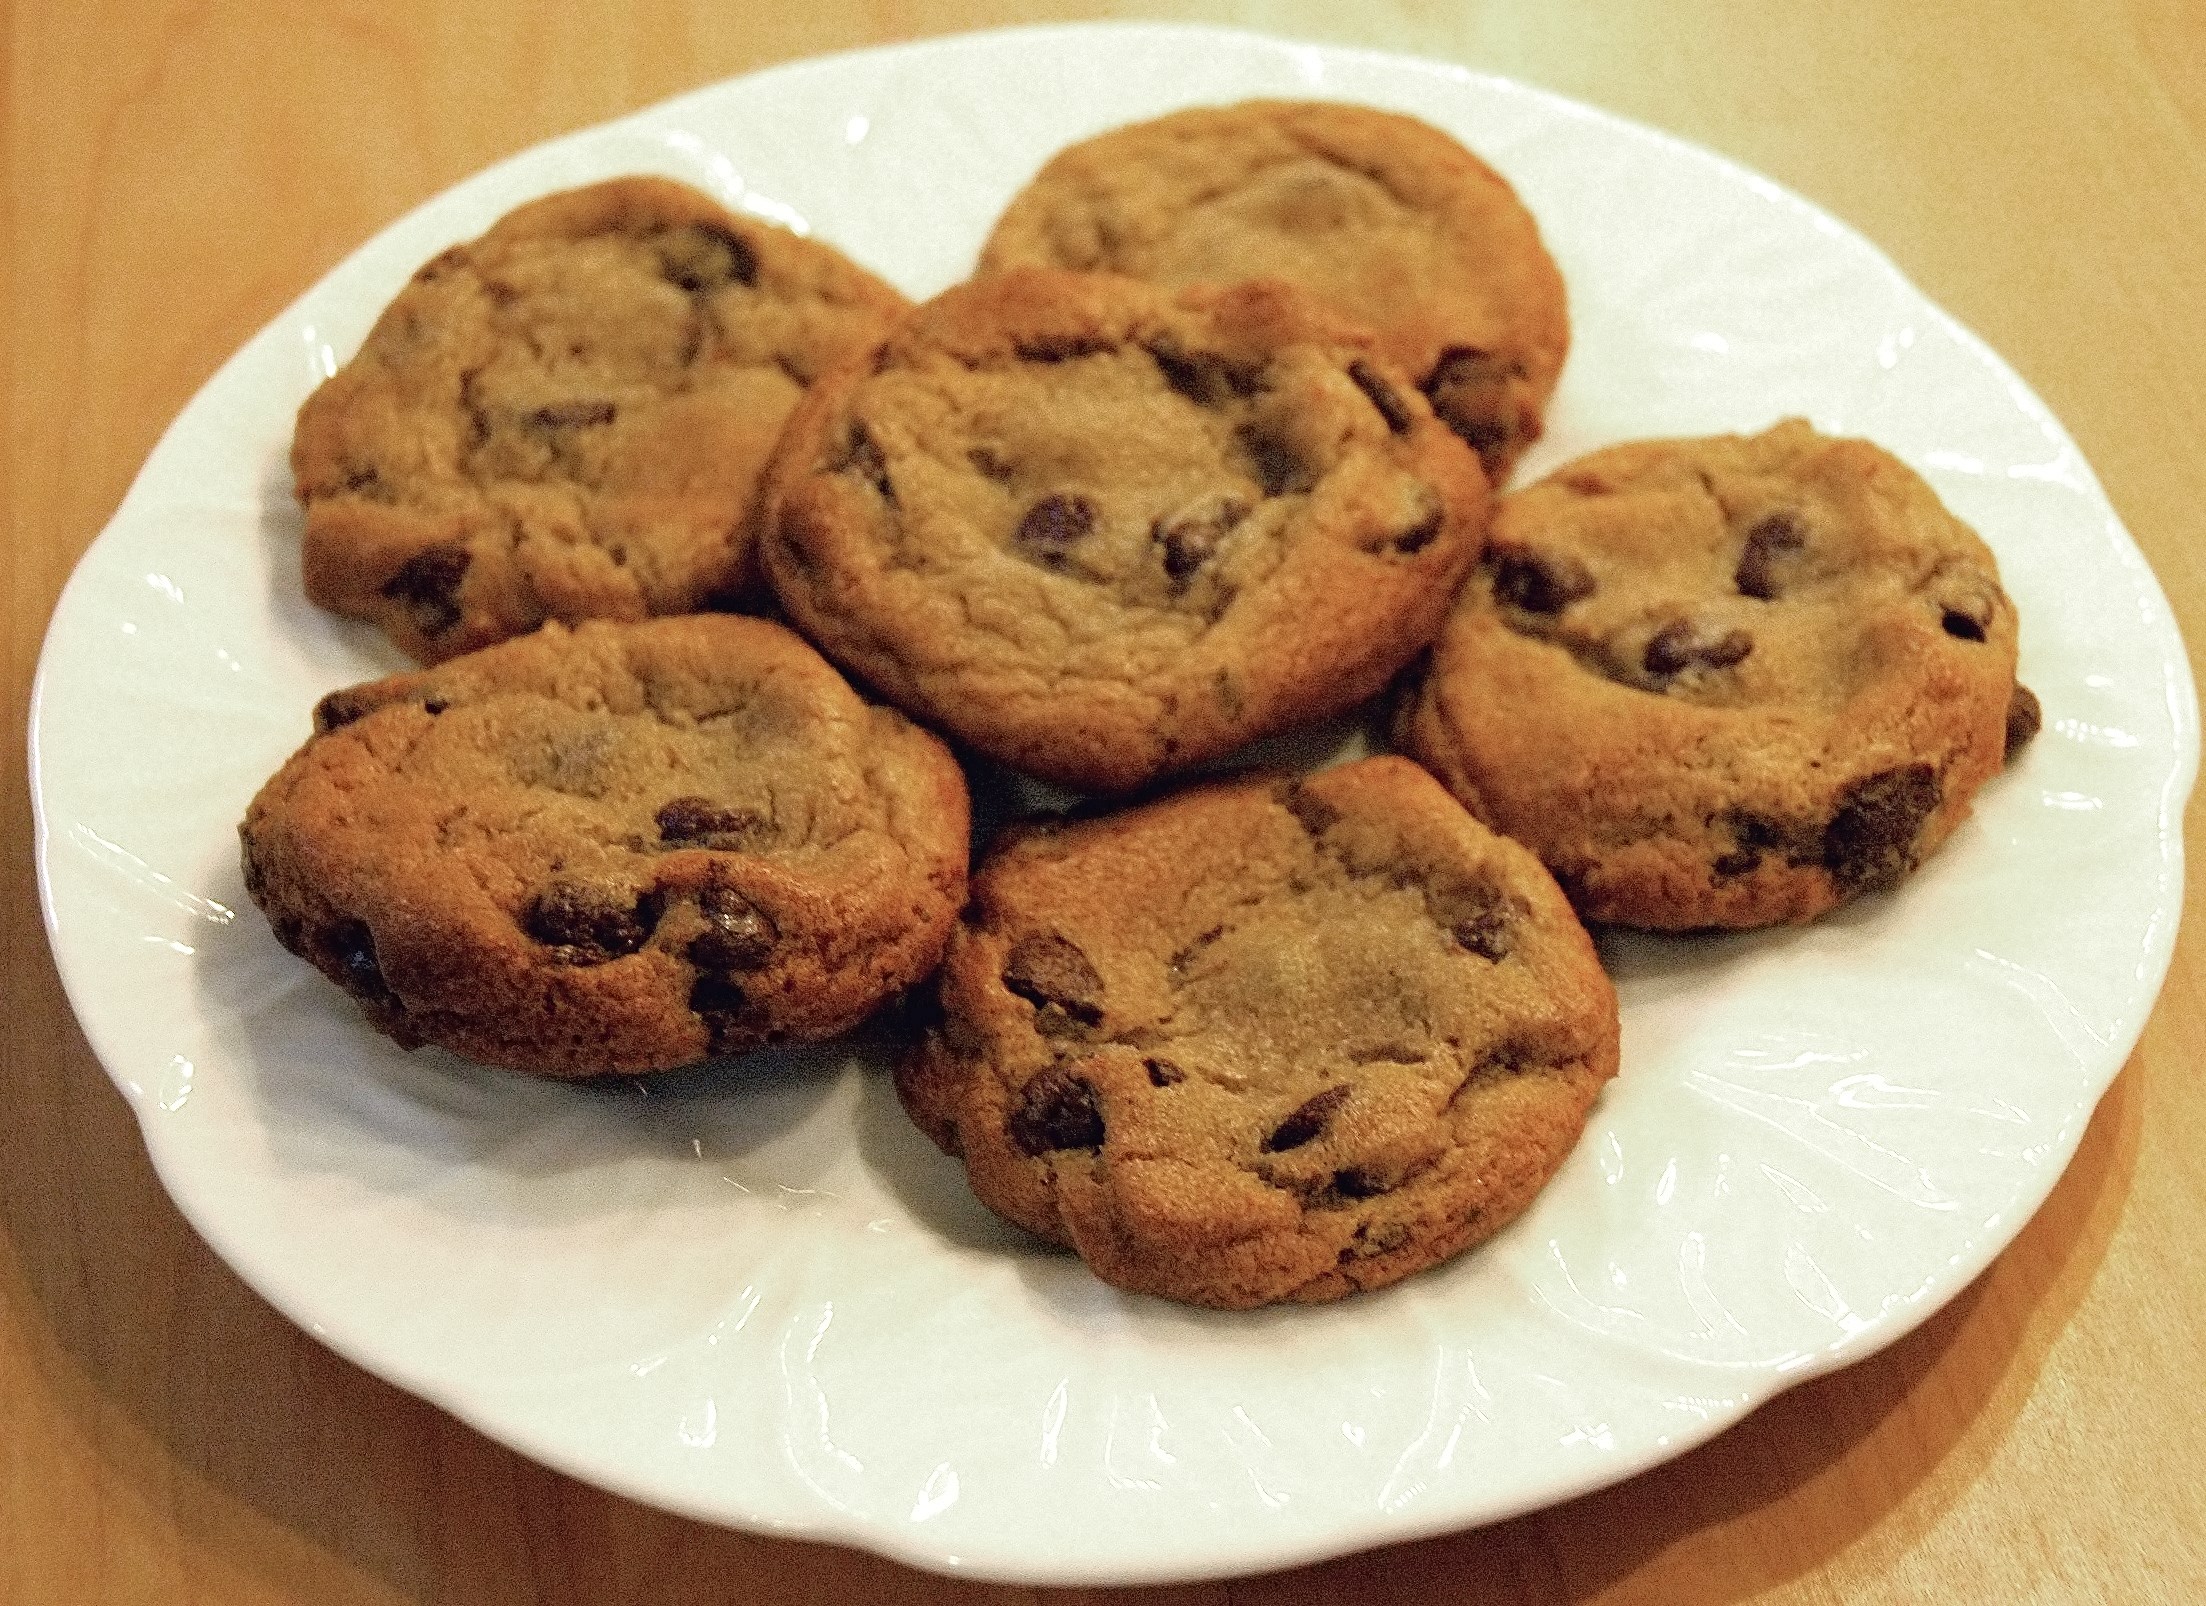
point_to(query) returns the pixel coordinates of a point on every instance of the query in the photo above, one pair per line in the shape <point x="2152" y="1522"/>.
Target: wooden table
<point x="177" y="173"/>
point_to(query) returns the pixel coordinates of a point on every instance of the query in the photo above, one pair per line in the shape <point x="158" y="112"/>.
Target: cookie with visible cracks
<point x="1725" y="682"/>
<point x="1103" y="532"/>
<point x="566" y="418"/>
<point x="622" y="848"/>
<point x="1267" y="1039"/>
<point x="1380" y="215"/>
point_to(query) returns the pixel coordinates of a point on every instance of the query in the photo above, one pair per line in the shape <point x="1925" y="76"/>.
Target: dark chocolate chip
<point x="1309" y="1119"/>
<point x="1311" y="812"/>
<point x="1191" y="537"/>
<point x="1773" y="537"/>
<point x="1679" y="646"/>
<point x="1163" y="1073"/>
<point x="706" y="256"/>
<point x="738" y="935"/>
<point x="368" y="482"/>
<point x="1539" y="582"/>
<point x="1960" y="625"/>
<point x="1203" y="377"/>
<point x="731" y="1021"/>
<point x="1376" y="1238"/>
<point x="1061" y="348"/>
<point x="1469" y="389"/>
<point x="579" y="414"/>
<point x="1049" y="972"/>
<point x="1382" y="396"/>
<point x="341" y="708"/>
<point x="2024" y="716"/>
<point x="1353" y="1182"/>
<point x="352" y="946"/>
<point x="1476" y="916"/>
<point x="1057" y="1110"/>
<point x="1869" y="843"/>
<point x="440" y="264"/>
<point x="428" y="582"/>
<point x="588" y="923"/>
<point x="862" y="456"/>
<point x="1737" y="862"/>
<point x="1180" y="961"/>
<point x="700" y="822"/>
<point x="1419" y="535"/>
<point x="988" y="465"/>
<point x="1278" y="468"/>
<point x="1052" y="527"/>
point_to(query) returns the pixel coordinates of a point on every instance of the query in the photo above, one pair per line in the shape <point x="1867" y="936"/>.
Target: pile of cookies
<point x="1206" y="451"/>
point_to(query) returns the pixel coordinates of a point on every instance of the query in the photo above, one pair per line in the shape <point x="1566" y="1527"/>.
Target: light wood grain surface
<point x="178" y="172"/>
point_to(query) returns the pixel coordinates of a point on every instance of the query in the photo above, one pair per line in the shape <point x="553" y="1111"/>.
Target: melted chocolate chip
<point x="1382" y="396"/>
<point x="1277" y="467"/>
<point x="1679" y="646"/>
<point x="352" y="946"/>
<point x="738" y="935"/>
<point x="1772" y="538"/>
<point x="700" y="822"/>
<point x="1469" y="389"/>
<point x="588" y="923"/>
<point x="1960" y="625"/>
<point x="731" y="1021"/>
<point x="1539" y="582"/>
<point x="1308" y="1121"/>
<point x="1052" y="527"/>
<point x="1868" y="844"/>
<point x="1354" y="1182"/>
<point x="862" y="456"/>
<point x="1737" y="862"/>
<point x="1191" y="537"/>
<point x="1311" y="812"/>
<point x="1050" y="973"/>
<point x="706" y="256"/>
<point x="988" y="465"/>
<point x="1163" y="1073"/>
<point x="1203" y="377"/>
<point x="1061" y="348"/>
<point x="1488" y="935"/>
<point x="579" y="414"/>
<point x="341" y="708"/>
<point x="2024" y="716"/>
<point x="428" y="582"/>
<point x="1057" y="1110"/>
<point x="1420" y="534"/>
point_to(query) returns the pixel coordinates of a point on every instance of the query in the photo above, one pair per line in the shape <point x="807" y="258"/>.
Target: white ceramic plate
<point x="756" y="1295"/>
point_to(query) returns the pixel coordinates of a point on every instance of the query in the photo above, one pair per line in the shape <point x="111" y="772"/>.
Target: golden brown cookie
<point x="566" y="418"/>
<point x="1102" y="531"/>
<point x="1725" y="682"/>
<point x="1383" y="216"/>
<point x="621" y="848"/>
<point x="1266" y="1039"/>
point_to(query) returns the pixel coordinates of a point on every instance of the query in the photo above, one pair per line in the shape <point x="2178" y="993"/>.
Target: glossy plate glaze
<point x="755" y="1294"/>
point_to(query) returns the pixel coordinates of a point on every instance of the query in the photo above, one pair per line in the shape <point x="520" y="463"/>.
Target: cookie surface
<point x="1265" y="1040"/>
<point x="1102" y="532"/>
<point x="566" y="418"/>
<point x="1725" y="682"/>
<point x="1384" y="217"/>
<point x="621" y="848"/>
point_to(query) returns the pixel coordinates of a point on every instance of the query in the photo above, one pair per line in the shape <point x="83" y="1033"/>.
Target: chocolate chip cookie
<point x="1385" y="217"/>
<point x="621" y="848"/>
<point x="566" y="418"/>
<point x="1725" y="682"/>
<point x="1102" y="531"/>
<point x="1266" y="1039"/>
